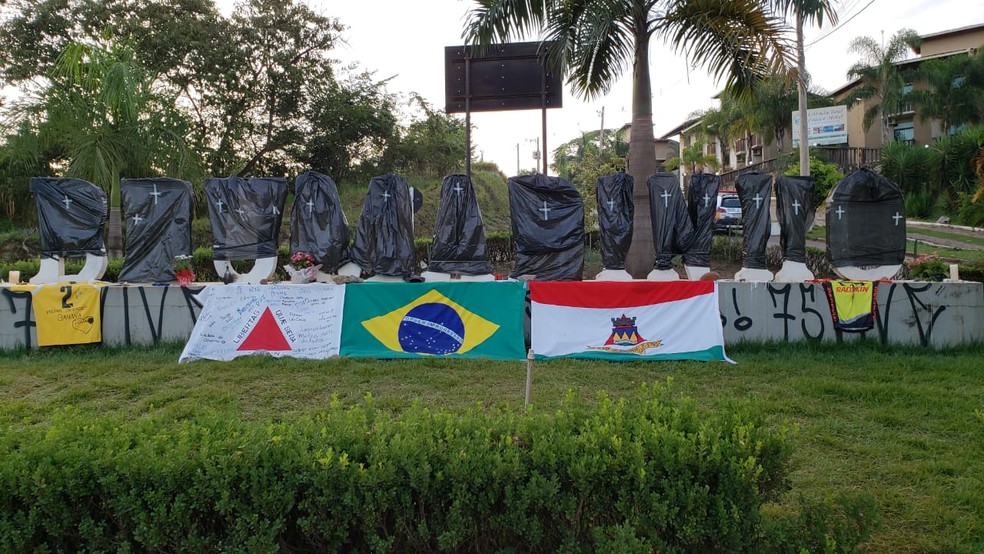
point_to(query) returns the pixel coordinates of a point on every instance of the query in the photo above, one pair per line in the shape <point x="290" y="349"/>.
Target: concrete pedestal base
<point x="263" y="268"/>
<point x="759" y="275"/>
<point x="874" y="273"/>
<point x="793" y="272"/>
<point x="663" y="275"/>
<point x="52" y="270"/>
<point x="613" y="275"/>
<point x="695" y="272"/>
<point x="436" y="276"/>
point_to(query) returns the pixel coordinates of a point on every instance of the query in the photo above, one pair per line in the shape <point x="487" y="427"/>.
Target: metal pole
<point x="517" y="158"/>
<point x="529" y="378"/>
<point x="468" y="112"/>
<point x="543" y="105"/>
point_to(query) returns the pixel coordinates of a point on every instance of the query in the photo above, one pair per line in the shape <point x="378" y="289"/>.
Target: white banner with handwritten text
<point x="300" y="321"/>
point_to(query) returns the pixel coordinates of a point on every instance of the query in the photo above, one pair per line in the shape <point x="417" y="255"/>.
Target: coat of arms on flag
<point x="625" y="337"/>
<point x="626" y="320"/>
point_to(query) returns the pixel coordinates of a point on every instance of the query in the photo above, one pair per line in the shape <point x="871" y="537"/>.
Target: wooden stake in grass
<point x="529" y="378"/>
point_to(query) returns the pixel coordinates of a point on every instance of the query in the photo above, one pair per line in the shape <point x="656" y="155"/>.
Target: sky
<point x="405" y="40"/>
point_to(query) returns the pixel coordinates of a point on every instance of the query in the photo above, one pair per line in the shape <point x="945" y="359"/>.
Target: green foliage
<point x="653" y="472"/>
<point x="825" y="176"/>
<point x="928" y="267"/>
<point x="906" y="165"/>
<point x="432" y="145"/>
<point x="582" y="162"/>
<point x="970" y="209"/>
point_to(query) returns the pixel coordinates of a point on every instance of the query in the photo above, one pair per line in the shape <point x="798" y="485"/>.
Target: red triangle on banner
<point x="266" y="335"/>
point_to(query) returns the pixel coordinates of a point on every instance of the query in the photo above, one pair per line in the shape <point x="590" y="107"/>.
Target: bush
<point x="650" y="473"/>
<point x="825" y="176"/>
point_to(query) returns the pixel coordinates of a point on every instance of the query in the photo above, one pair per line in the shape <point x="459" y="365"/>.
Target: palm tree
<point x="693" y="158"/>
<point x="810" y="12"/>
<point x="950" y="94"/>
<point x="100" y="120"/>
<point x="593" y="42"/>
<point x="880" y="77"/>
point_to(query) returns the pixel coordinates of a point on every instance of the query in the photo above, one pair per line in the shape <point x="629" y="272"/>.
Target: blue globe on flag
<point x="431" y="328"/>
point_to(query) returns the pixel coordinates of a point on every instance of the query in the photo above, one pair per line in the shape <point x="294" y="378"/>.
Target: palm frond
<point x="734" y="39"/>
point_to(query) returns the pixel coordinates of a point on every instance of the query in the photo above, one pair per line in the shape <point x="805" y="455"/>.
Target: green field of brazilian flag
<point x="392" y="320"/>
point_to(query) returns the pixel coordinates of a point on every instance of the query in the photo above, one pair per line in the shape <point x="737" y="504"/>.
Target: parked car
<point x="728" y="215"/>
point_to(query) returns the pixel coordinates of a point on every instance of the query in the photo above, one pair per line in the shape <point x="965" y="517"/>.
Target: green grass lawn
<point x="904" y="425"/>
<point x="979" y="241"/>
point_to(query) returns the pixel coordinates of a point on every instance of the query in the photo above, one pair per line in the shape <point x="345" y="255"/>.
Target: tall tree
<point x="949" y="91"/>
<point x="881" y="79"/>
<point x="596" y="41"/>
<point x="805" y="12"/>
<point x="101" y="119"/>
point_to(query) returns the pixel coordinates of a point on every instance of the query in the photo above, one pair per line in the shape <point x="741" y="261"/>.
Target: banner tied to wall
<point x="853" y="304"/>
<point x="676" y="320"/>
<point x="66" y="313"/>
<point x="300" y="321"/>
<point x="408" y="320"/>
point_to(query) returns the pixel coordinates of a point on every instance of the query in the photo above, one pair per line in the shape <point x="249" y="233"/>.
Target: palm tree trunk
<point x="804" y="145"/>
<point x="642" y="162"/>
<point x="114" y="239"/>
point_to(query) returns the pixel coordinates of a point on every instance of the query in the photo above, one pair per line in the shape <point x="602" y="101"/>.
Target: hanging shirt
<point x="853" y="304"/>
<point x="66" y="312"/>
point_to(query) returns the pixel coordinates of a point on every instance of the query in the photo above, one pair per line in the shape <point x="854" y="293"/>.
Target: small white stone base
<point x="439" y="277"/>
<point x="347" y="270"/>
<point x="385" y="279"/>
<point x="794" y="272"/>
<point x="52" y="270"/>
<point x="747" y="274"/>
<point x="613" y="275"/>
<point x="695" y="272"/>
<point x="663" y="275"/>
<point x="873" y="273"/>
<point x="263" y="268"/>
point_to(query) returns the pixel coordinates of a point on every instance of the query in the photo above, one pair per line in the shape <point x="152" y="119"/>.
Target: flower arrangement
<point x="301" y="260"/>
<point x="302" y="268"/>
<point x="927" y="267"/>
<point x="182" y="270"/>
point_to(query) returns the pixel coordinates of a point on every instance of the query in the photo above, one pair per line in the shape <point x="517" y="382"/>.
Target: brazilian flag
<point x="410" y="320"/>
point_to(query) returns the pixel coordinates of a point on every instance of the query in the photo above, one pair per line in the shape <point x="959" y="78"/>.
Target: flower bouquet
<point x="302" y="268"/>
<point x="182" y="270"/>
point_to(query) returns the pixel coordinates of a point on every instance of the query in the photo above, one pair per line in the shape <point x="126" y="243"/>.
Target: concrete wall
<point x="928" y="314"/>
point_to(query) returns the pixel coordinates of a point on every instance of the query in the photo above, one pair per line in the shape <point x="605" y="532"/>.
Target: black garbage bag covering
<point x="673" y="232"/>
<point x="615" y="212"/>
<point x="246" y="216"/>
<point x="865" y="221"/>
<point x="755" y="192"/>
<point x="702" y="207"/>
<point x="384" y="240"/>
<point x="794" y="209"/>
<point x="459" y="232"/>
<point x="71" y="214"/>
<point x="158" y="227"/>
<point x="317" y="223"/>
<point x="547" y="228"/>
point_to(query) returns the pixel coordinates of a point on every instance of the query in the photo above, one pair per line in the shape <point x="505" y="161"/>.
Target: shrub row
<point x="649" y="474"/>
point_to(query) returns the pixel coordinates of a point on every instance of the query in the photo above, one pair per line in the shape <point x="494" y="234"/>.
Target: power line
<point x="832" y="31"/>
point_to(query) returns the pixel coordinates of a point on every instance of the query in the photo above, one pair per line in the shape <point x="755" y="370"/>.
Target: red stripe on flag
<point x="615" y="294"/>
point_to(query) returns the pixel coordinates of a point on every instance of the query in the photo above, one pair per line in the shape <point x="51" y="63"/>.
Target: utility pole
<point x="601" y="134"/>
<point x="517" y="158"/>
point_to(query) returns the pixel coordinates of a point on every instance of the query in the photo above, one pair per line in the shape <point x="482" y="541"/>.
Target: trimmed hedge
<point x="649" y="474"/>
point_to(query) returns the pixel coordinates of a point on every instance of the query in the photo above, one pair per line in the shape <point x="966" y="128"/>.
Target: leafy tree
<point x="812" y="12"/>
<point x="101" y="119"/>
<point x="595" y="41"/>
<point x="694" y="159"/>
<point x="350" y="123"/>
<point x="432" y="145"/>
<point x="881" y="79"/>
<point x="949" y="91"/>
<point x="582" y="161"/>
<point x="825" y="176"/>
